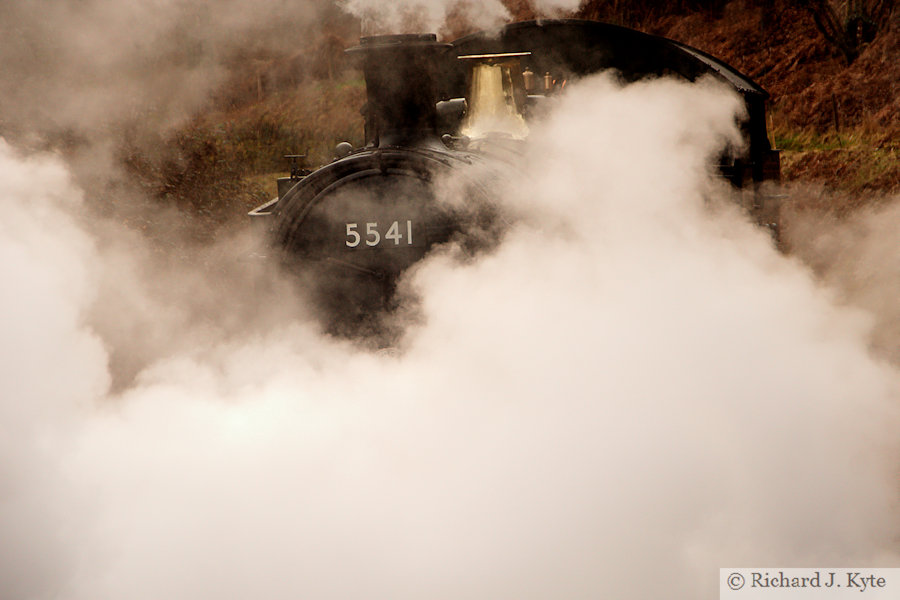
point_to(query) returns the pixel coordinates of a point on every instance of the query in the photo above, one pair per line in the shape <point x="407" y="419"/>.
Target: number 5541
<point x="372" y="236"/>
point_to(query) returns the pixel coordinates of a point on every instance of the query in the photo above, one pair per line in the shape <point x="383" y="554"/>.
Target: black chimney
<point x="402" y="88"/>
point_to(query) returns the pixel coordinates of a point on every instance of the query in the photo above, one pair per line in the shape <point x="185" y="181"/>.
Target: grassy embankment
<point x="309" y="121"/>
<point x="853" y="162"/>
<point x="225" y="162"/>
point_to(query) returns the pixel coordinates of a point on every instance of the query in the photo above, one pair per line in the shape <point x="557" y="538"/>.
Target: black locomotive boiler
<point x="436" y="110"/>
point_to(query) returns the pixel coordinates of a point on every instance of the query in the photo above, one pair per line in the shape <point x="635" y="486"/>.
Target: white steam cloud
<point x="556" y="8"/>
<point x="416" y="16"/>
<point x="631" y="391"/>
<point x="859" y="256"/>
<point x="87" y="66"/>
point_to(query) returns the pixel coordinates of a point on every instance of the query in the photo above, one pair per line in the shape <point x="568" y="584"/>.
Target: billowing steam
<point x="859" y="256"/>
<point x="415" y="16"/>
<point x="631" y="391"/>
<point x="84" y="67"/>
<point x="100" y="81"/>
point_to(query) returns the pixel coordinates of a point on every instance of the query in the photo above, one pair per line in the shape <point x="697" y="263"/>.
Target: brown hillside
<point x="837" y="124"/>
<point x="810" y="83"/>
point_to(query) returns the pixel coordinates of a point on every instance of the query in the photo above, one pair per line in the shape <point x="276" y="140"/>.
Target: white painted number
<point x="373" y="237"/>
<point x="394" y="234"/>
<point x="371" y="231"/>
<point x="353" y="242"/>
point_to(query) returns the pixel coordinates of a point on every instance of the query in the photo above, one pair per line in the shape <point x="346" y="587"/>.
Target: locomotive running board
<point x="264" y="210"/>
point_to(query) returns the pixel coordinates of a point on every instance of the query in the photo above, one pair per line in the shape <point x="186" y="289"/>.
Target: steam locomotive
<point x="436" y="110"/>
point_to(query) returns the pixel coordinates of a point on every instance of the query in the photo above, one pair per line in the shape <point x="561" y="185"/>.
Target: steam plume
<point x="416" y="16"/>
<point x="859" y="257"/>
<point x="86" y="67"/>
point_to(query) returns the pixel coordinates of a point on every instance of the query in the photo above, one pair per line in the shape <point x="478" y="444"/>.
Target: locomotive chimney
<point x="401" y="86"/>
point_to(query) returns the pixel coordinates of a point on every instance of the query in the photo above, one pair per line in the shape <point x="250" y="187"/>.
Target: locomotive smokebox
<point x="402" y="89"/>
